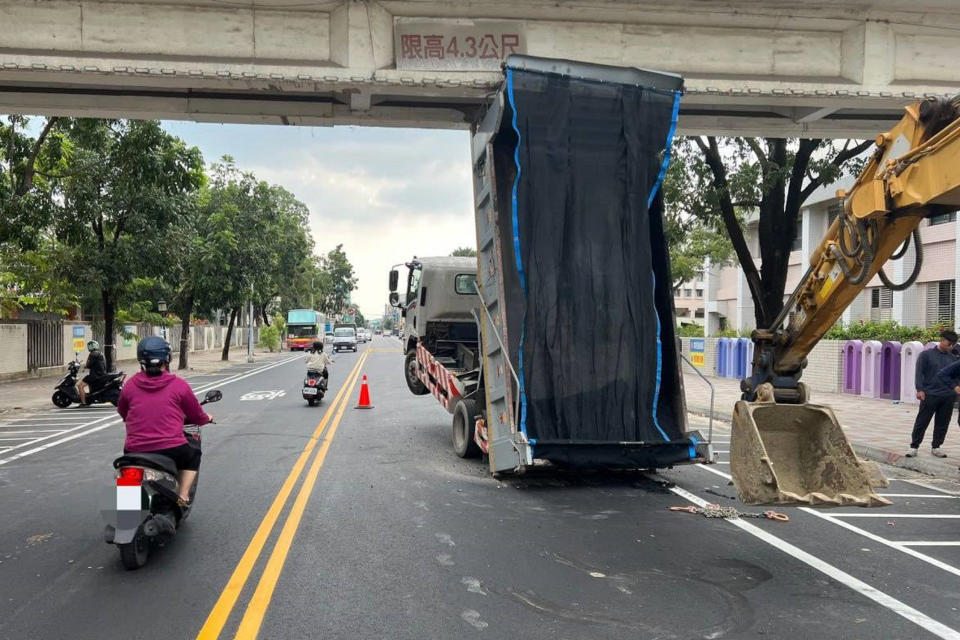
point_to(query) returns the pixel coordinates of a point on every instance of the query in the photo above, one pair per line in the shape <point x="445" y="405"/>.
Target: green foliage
<point x="732" y="333"/>
<point x="690" y="331"/>
<point x="464" y="252"/>
<point x="388" y="324"/>
<point x="339" y="281"/>
<point x="884" y="331"/>
<point x="270" y="338"/>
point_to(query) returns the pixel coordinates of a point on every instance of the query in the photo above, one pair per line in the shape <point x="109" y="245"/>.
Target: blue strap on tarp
<point x="693" y="447"/>
<point x="516" y="252"/>
<point x="656" y="313"/>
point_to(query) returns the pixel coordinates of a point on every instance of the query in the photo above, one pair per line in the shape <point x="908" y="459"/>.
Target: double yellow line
<point x="257" y="608"/>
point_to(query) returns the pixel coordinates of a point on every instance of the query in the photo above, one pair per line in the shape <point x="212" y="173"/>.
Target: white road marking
<point x="10" y="433"/>
<point x="918" y="495"/>
<point x="927" y="543"/>
<point x="890" y="543"/>
<point x="922" y="620"/>
<point x="891" y="516"/>
<point x="923" y="484"/>
<point x="38" y="424"/>
<point x="74" y="436"/>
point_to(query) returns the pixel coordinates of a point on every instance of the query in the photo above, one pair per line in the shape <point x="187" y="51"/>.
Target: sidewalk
<point x="878" y="429"/>
<point x="35" y="393"/>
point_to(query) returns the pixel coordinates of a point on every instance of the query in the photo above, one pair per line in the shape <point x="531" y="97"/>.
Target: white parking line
<point x="74" y="436"/>
<point x="913" y="615"/>
<point x="10" y="433"/>
<point x="37" y="424"/>
<point x="921" y="483"/>
<point x="927" y="543"/>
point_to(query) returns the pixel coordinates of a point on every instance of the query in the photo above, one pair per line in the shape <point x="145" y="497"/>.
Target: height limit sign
<point x="426" y="45"/>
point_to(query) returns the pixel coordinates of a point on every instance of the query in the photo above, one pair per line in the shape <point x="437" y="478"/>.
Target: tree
<point x="124" y="189"/>
<point x="340" y="280"/>
<point x="464" y="252"/>
<point x="771" y="176"/>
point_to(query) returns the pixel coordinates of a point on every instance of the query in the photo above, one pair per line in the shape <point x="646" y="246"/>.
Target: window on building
<point x="698" y="313"/>
<point x="833" y="212"/>
<point x="881" y="304"/>
<point x="798" y="235"/>
<point x="941" y="302"/>
<point x="699" y="293"/>
<point x="687" y="293"/>
<point x="943" y="218"/>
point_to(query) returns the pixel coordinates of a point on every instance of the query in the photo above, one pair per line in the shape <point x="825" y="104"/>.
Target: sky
<point x="385" y="194"/>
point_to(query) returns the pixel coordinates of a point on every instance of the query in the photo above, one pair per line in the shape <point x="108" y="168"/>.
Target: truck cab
<point x="438" y="307"/>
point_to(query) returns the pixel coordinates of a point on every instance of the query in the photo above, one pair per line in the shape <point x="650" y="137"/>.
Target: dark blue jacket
<point x="948" y="377"/>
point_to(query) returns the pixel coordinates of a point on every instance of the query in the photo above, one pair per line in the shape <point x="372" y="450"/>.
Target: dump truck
<point x="557" y="344"/>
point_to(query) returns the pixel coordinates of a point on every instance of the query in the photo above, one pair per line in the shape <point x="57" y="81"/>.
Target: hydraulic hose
<point x="918" y="247"/>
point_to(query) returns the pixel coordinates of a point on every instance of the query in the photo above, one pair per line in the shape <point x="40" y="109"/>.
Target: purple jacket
<point x="155" y="409"/>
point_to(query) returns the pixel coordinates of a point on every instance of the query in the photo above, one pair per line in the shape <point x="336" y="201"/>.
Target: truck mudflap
<point x="623" y="455"/>
<point x="797" y="453"/>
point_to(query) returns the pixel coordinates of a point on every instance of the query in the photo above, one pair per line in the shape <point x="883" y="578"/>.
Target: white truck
<point x="556" y="343"/>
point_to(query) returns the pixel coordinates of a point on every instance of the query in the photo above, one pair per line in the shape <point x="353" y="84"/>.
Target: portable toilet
<point x="870" y="370"/>
<point x="852" y="366"/>
<point x="723" y="346"/>
<point x="909" y="354"/>
<point x="890" y="370"/>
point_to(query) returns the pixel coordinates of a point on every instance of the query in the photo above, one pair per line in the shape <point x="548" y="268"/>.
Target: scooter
<point x="66" y="393"/>
<point x="315" y="386"/>
<point x="144" y="508"/>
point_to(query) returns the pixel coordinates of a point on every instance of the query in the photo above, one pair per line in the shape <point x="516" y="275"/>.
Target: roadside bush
<point x="883" y="331"/>
<point x="270" y="338"/>
<point x="732" y="333"/>
<point x="690" y="331"/>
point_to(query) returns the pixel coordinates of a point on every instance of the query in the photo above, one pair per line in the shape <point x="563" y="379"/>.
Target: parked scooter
<point x="315" y="386"/>
<point x="144" y="508"/>
<point x="66" y="393"/>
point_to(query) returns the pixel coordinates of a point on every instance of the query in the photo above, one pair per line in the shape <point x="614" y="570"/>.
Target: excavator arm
<point x="783" y="449"/>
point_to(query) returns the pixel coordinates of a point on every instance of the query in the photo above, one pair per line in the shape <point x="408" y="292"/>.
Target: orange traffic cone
<point x="364" y="402"/>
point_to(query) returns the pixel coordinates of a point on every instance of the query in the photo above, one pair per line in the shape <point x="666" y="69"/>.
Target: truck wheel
<point x="464" y="423"/>
<point x="417" y="388"/>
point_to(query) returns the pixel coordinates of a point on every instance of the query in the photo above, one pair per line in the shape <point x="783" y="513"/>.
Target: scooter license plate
<point x="309" y="391"/>
<point x="128" y="498"/>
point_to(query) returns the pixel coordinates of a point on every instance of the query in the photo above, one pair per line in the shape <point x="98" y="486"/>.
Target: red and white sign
<point x="456" y="46"/>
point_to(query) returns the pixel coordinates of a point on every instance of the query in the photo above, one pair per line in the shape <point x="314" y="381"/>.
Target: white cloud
<point x="385" y="194"/>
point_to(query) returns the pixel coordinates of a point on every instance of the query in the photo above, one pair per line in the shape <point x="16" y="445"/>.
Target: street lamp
<point x="162" y="308"/>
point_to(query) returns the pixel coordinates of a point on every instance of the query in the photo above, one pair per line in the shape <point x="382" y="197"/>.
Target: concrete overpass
<point x="833" y="68"/>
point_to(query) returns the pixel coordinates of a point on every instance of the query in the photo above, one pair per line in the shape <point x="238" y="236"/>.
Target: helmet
<point x="317" y="345"/>
<point x="93" y="345"/>
<point x="153" y="351"/>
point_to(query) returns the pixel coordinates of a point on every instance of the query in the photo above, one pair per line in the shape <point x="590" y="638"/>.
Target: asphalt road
<point x="332" y="522"/>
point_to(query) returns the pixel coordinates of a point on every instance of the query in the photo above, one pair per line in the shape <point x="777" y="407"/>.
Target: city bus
<point x="304" y="327"/>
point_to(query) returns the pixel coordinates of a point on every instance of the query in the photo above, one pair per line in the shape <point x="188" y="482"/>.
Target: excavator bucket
<point x="797" y="453"/>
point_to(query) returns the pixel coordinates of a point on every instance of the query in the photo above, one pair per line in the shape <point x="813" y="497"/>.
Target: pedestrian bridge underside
<point x="842" y="68"/>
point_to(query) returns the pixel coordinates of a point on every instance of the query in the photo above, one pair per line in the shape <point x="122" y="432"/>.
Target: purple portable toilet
<point x="890" y="370"/>
<point x="731" y="366"/>
<point x="909" y="354"/>
<point x="748" y="367"/>
<point x="870" y="370"/>
<point x="723" y="345"/>
<point x="852" y="363"/>
<point x="930" y="345"/>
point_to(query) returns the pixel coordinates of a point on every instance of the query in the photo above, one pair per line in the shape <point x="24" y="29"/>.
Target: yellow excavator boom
<point x="784" y="450"/>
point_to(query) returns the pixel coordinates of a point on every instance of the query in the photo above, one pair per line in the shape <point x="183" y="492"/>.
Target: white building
<point x="931" y="300"/>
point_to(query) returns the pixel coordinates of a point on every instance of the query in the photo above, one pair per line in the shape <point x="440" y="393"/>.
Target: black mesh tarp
<point x="592" y="318"/>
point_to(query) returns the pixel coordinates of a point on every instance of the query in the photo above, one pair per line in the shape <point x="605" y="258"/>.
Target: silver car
<point x="344" y="339"/>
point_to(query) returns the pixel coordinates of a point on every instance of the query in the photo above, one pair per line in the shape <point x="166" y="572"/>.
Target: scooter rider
<point x="317" y="360"/>
<point x="97" y="365"/>
<point x="155" y="404"/>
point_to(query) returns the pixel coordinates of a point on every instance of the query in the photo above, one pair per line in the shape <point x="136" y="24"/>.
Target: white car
<point x="344" y="339"/>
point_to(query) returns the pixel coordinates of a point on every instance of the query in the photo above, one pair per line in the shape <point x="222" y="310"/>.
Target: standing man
<point x="936" y="394"/>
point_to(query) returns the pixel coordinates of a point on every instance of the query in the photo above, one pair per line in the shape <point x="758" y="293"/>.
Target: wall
<point x="13" y="348"/>
<point x="824" y="370"/>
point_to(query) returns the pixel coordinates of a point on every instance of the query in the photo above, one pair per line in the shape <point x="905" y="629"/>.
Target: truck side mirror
<point x="394" y="298"/>
<point x="394" y="279"/>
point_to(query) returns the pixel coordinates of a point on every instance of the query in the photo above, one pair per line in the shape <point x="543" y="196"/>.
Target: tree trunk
<point x="226" y="341"/>
<point x="263" y="313"/>
<point x="109" y="314"/>
<point x="185" y="333"/>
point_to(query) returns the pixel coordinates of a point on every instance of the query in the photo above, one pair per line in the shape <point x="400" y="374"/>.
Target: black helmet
<point x="153" y="351"/>
<point x="317" y="345"/>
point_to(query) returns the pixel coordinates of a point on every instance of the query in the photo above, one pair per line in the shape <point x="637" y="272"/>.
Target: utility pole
<point x="250" y="329"/>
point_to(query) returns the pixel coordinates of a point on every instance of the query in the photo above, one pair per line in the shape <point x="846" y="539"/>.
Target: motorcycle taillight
<point x="130" y="477"/>
<point x="311" y="382"/>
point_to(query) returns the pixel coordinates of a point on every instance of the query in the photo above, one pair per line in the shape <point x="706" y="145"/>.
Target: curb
<point x="928" y="465"/>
